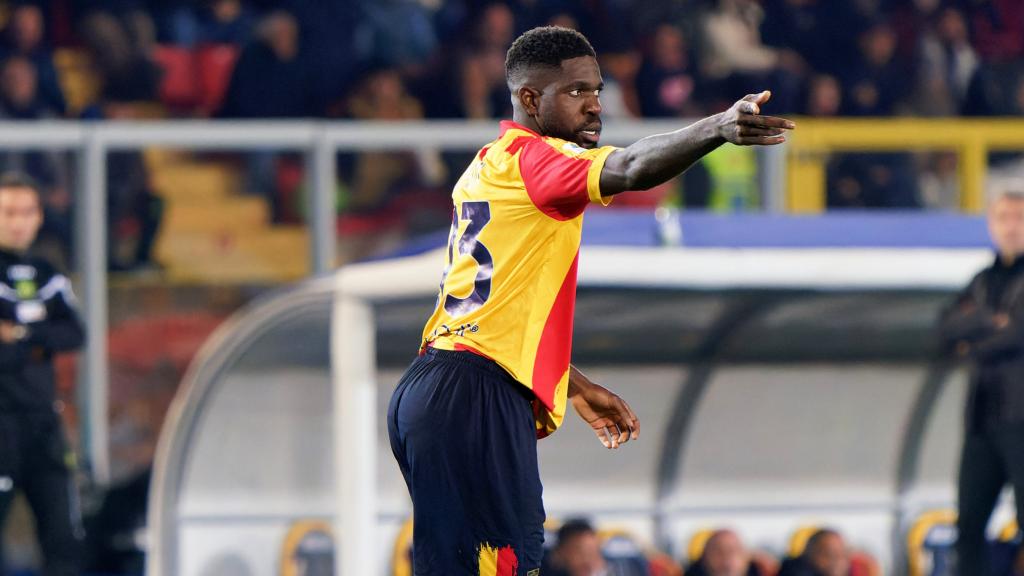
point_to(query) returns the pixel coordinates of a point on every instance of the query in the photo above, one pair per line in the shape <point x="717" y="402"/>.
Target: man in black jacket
<point x="37" y="319"/>
<point x="986" y="325"/>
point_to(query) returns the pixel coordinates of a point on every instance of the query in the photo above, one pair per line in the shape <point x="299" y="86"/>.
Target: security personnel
<point x="37" y="319"/>
<point x="986" y="325"/>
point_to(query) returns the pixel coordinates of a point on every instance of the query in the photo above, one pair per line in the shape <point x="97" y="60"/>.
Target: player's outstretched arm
<point x="656" y="159"/>
<point x="610" y="417"/>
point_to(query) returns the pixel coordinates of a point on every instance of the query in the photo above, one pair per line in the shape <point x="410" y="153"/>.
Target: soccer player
<point x="493" y="372"/>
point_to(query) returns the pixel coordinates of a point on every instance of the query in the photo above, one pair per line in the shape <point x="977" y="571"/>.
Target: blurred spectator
<point x="24" y="36"/>
<point x="270" y="80"/>
<point x="20" y="100"/>
<point x="484" y="91"/>
<point x="938" y="182"/>
<point x="824" y="96"/>
<point x="121" y="35"/>
<point x="724" y="555"/>
<point x="822" y="33"/>
<point x="735" y="55"/>
<point x="946" y="63"/>
<point x="998" y="27"/>
<point x="212" y="22"/>
<point x="666" y="84"/>
<point x="872" y="181"/>
<point x="825" y="555"/>
<point x="134" y="211"/>
<point x="396" y="32"/>
<point x="877" y="83"/>
<point x="576" y="553"/>
<point x="379" y="176"/>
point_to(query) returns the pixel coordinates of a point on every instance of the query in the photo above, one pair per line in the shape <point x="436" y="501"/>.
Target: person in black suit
<point x="985" y="325"/>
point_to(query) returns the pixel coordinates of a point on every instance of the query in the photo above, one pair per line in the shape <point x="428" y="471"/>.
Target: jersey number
<point x="478" y="214"/>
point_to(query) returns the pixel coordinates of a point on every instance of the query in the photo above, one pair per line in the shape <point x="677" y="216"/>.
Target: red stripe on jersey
<point x="483" y="152"/>
<point x="463" y="348"/>
<point x="556" y="183"/>
<point x="555" y="346"/>
<point x="508" y="564"/>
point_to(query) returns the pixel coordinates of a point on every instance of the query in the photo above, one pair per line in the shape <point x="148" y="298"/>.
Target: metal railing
<point x="814" y="140"/>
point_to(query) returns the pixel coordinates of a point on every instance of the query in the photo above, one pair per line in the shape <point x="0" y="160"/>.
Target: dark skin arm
<point x="656" y="159"/>
<point x="612" y="420"/>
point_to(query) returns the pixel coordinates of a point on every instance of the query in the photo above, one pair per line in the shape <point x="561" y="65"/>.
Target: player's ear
<point x="529" y="98"/>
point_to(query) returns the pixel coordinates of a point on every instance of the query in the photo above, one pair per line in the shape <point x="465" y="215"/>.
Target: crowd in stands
<point x="410" y="59"/>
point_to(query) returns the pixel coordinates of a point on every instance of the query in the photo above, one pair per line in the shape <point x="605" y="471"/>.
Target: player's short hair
<point x="546" y="47"/>
<point x="15" y="179"/>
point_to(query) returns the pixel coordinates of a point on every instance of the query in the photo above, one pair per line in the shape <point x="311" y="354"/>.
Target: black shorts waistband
<point x="477" y="361"/>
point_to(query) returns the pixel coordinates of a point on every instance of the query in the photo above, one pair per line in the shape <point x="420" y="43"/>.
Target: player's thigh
<point x="476" y="490"/>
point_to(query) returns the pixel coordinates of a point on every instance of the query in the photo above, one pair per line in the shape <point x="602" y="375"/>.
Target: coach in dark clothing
<point x="37" y="319"/>
<point x="986" y="325"/>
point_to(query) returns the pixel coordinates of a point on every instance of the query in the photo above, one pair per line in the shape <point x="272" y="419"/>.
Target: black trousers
<point x="991" y="458"/>
<point x="35" y="460"/>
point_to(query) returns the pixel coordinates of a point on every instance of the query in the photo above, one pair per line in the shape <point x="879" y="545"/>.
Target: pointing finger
<point x="766" y="122"/>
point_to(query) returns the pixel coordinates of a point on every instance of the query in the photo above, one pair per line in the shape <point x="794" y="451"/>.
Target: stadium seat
<point x="695" y="549"/>
<point x="179" y="88"/>
<point x="624" y="555"/>
<point x="401" y="556"/>
<point x="1005" y="547"/>
<point x="215" y="63"/>
<point x="798" y="541"/>
<point x="930" y="544"/>
<point x="308" y="549"/>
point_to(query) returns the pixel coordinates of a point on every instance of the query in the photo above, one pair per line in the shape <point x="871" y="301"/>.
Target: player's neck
<point x="526" y="121"/>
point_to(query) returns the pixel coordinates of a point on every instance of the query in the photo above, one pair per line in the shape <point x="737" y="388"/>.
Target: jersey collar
<point x="507" y="125"/>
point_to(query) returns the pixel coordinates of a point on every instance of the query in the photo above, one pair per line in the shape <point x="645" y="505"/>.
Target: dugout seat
<point x="1005" y="547"/>
<point x="624" y="555"/>
<point x="931" y="544"/>
<point x="401" y="555"/>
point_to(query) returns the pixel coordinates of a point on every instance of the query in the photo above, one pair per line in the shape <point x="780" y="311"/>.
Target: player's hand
<point x="743" y="124"/>
<point x="612" y="420"/>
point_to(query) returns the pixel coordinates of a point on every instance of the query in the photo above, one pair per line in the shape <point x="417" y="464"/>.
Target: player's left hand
<point x="743" y="124"/>
<point x="612" y="420"/>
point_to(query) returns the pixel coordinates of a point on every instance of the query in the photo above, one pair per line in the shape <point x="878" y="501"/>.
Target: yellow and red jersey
<point x="509" y="288"/>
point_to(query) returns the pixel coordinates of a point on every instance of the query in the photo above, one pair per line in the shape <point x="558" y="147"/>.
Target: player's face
<point x="1006" y="225"/>
<point x="20" y="218"/>
<point x="569" y="106"/>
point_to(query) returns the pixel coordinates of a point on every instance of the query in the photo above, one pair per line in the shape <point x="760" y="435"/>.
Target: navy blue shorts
<point x="463" y="433"/>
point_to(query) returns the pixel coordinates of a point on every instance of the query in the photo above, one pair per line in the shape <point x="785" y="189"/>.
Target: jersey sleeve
<point x="560" y="177"/>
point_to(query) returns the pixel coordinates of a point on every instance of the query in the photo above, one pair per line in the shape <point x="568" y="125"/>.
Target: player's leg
<point x="464" y="432"/>
<point x="982" y="477"/>
<point x="1010" y="442"/>
<point x="52" y="496"/>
